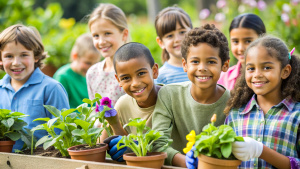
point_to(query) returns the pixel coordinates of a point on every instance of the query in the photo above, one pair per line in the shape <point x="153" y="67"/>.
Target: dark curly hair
<point x="206" y="34"/>
<point x="289" y="87"/>
<point x="29" y="37"/>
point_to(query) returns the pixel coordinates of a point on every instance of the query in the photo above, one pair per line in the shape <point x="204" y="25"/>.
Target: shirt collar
<point x="235" y="72"/>
<point x="36" y="77"/>
<point x="288" y="102"/>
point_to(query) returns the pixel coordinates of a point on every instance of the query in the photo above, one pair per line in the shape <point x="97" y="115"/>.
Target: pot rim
<point x="104" y="147"/>
<point x="151" y="157"/>
<point x="213" y="160"/>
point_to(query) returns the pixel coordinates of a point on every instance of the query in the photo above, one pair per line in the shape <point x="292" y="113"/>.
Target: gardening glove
<point x="113" y="151"/>
<point x="247" y="150"/>
<point x="190" y="161"/>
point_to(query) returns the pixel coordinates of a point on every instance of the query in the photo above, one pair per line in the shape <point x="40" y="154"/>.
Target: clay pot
<point x="152" y="160"/>
<point x="214" y="163"/>
<point x="6" y="146"/>
<point x="96" y="154"/>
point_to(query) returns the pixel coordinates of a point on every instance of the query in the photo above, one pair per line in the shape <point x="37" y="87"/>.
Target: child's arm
<point x="56" y="96"/>
<point x="276" y="159"/>
<point x="162" y="120"/>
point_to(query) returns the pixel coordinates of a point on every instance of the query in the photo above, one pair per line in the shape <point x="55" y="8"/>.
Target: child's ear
<point x="160" y="43"/>
<point x="286" y="71"/>
<point x="184" y="65"/>
<point x="125" y="35"/>
<point x="155" y="71"/>
<point x="225" y="66"/>
<point x="74" y="56"/>
<point x="116" y="76"/>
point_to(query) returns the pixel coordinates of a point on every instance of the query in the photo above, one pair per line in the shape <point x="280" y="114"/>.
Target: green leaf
<point x="97" y="95"/>
<point x="49" y="143"/>
<point x="42" y="140"/>
<point x="8" y="123"/>
<point x="18" y="114"/>
<point x="42" y="119"/>
<point x="226" y="149"/>
<point x="78" y="132"/>
<point x="67" y="112"/>
<point x="18" y="125"/>
<point x="85" y="125"/>
<point x="54" y="111"/>
<point x="14" y="136"/>
<point x="39" y="127"/>
<point x="239" y="138"/>
<point x="95" y="130"/>
<point x="88" y="101"/>
<point x="51" y="122"/>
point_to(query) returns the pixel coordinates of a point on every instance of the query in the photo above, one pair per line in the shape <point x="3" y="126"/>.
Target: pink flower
<point x="204" y="13"/>
<point x="261" y="5"/>
<point x="221" y="3"/>
<point x="286" y="8"/>
<point x="105" y="101"/>
<point x="285" y="17"/>
<point x="295" y="2"/>
<point x="252" y="3"/>
<point x="220" y="17"/>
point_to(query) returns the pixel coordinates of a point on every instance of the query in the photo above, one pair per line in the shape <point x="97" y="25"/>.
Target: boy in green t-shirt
<point x="72" y="75"/>
<point x="187" y="106"/>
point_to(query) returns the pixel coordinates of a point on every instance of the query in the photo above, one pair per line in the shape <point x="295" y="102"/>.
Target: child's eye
<point x="8" y="56"/>
<point x="107" y="33"/>
<point x="235" y="42"/>
<point x="248" y="41"/>
<point x="267" y="68"/>
<point x="182" y="32"/>
<point x="124" y="78"/>
<point x="250" y="69"/>
<point x="95" y="36"/>
<point x="141" y="73"/>
<point x="169" y="36"/>
<point x="24" y="55"/>
<point x="195" y="61"/>
<point x="212" y="62"/>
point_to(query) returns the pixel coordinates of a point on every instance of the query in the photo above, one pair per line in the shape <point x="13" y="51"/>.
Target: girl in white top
<point x="109" y="29"/>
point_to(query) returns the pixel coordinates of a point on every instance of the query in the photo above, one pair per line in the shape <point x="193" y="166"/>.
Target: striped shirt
<point x="171" y="74"/>
<point x="278" y="129"/>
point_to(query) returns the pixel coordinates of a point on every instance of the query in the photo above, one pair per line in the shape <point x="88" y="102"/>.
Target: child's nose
<point x="202" y="67"/>
<point x="241" y="47"/>
<point x="16" y="61"/>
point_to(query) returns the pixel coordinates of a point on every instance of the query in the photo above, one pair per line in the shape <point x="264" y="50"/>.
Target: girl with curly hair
<point x="264" y="107"/>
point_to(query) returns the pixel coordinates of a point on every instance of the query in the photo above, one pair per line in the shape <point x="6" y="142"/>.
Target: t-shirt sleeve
<point x="162" y="120"/>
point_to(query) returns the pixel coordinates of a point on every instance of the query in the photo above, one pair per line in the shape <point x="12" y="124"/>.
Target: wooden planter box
<point x="12" y="160"/>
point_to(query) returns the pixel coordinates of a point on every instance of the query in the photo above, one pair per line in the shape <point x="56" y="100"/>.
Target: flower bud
<point x="213" y="118"/>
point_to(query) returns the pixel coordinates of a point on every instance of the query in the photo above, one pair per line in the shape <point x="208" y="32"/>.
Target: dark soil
<point x="86" y="147"/>
<point x="50" y="152"/>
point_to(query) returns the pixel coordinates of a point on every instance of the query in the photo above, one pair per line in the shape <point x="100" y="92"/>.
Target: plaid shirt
<point x="278" y="129"/>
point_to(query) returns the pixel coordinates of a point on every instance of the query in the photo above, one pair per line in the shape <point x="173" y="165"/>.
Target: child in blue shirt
<point x="25" y="88"/>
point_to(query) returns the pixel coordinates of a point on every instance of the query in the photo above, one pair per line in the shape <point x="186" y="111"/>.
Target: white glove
<point x="244" y="151"/>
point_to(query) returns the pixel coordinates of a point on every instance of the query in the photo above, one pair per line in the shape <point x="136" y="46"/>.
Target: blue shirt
<point x="38" y="90"/>
<point x="278" y="129"/>
<point x="171" y="74"/>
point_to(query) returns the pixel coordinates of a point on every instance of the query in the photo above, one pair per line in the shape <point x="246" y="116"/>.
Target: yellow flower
<point x="191" y="138"/>
<point x="67" y="23"/>
<point x="213" y="118"/>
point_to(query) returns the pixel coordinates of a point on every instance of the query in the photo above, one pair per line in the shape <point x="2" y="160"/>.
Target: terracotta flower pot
<point x="152" y="160"/>
<point x="96" y="154"/>
<point x="214" y="163"/>
<point x="6" y="146"/>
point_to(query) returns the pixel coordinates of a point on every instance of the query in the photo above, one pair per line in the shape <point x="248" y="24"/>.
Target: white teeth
<point x="259" y="83"/>
<point x="140" y="91"/>
<point x="17" y="70"/>
<point x="203" y="78"/>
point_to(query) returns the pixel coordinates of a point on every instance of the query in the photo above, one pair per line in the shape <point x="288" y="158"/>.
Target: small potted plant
<point x="213" y="146"/>
<point x="90" y="149"/>
<point x="11" y="129"/>
<point x="141" y="145"/>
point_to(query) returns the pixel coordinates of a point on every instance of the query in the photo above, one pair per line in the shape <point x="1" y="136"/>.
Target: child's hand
<point x="244" y="151"/>
<point x="115" y="154"/>
<point x="190" y="161"/>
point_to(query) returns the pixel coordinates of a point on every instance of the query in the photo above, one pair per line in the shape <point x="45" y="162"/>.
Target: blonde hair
<point x="29" y="37"/>
<point x="111" y="13"/>
<point x="83" y="45"/>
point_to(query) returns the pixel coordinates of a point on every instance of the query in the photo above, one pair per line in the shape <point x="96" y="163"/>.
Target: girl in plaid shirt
<point x="264" y="107"/>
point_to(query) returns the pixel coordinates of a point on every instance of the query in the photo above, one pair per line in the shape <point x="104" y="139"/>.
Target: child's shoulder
<point x="175" y="88"/>
<point x="96" y="67"/>
<point x="63" y="71"/>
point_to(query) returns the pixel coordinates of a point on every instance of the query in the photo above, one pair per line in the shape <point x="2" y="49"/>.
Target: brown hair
<point x="84" y="44"/>
<point x="166" y="21"/>
<point x="276" y="48"/>
<point x="29" y="37"/>
<point x="111" y="13"/>
<point x="206" y="34"/>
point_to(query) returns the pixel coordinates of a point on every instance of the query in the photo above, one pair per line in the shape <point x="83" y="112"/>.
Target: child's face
<point x="107" y="37"/>
<point x="172" y="41"/>
<point x="136" y="78"/>
<point x="204" y="66"/>
<point x="86" y="61"/>
<point x="18" y="62"/>
<point x="263" y="73"/>
<point x="240" y="39"/>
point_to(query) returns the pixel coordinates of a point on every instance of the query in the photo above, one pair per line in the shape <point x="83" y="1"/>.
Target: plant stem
<point x="107" y="130"/>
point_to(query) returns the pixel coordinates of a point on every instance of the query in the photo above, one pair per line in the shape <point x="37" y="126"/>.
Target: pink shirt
<point x="228" y="79"/>
<point x="103" y="83"/>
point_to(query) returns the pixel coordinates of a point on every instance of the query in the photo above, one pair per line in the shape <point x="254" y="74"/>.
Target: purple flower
<point x="285" y="17"/>
<point x="221" y="3"/>
<point x="105" y="101"/>
<point x="204" y="13"/>
<point x="110" y="113"/>
<point x="220" y="17"/>
<point x="261" y="5"/>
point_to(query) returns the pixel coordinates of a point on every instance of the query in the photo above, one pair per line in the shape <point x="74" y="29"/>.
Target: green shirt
<point x="74" y="83"/>
<point x="176" y="113"/>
